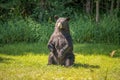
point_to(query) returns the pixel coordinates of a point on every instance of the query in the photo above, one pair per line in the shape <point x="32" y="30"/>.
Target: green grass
<point x="82" y="28"/>
<point x="25" y="61"/>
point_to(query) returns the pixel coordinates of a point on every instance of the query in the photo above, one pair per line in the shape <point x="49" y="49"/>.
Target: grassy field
<point x="23" y="61"/>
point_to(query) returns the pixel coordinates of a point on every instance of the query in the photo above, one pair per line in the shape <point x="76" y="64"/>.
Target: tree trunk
<point x="111" y="9"/>
<point x="92" y="4"/>
<point x="97" y="11"/>
<point x="43" y="4"/>
<point x="88" y="7"/>
<point x="42" y="7"/>
<point x="118" y="5"/>
<point x="107" y="7"/>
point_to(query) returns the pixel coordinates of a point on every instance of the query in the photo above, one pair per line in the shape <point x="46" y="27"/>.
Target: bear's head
<point x="62" y="24"/>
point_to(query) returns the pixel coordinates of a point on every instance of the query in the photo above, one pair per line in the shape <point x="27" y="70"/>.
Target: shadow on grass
<point x="5" y="60"/>
<point x="77" y="65"/>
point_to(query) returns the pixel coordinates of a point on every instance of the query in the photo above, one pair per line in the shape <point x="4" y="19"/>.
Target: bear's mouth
<point x="61" y="28"/>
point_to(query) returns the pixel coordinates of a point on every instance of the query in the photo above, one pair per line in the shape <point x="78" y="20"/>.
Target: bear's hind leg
<point x="51" y="59"/>
<point x="69" y="61"/>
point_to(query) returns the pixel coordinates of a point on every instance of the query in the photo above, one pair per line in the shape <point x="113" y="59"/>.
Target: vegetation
<point x="82" y="30"/>
<point x="92" y="63"/>
<point x="92" y="21"/>
<point x="25" y="28"/>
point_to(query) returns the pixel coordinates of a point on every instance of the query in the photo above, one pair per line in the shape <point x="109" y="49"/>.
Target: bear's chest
<point x="60" y="41"/>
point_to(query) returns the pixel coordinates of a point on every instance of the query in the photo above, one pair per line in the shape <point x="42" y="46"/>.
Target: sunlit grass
<point x="32" y="64"/>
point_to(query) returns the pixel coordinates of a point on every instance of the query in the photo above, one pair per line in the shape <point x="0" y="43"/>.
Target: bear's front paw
<point x="60" y="54"/>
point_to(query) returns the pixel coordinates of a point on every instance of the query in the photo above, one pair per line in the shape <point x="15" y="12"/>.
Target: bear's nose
<point x="59" y="25"/>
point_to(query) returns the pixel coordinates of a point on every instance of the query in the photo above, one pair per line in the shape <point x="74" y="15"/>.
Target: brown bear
<point x="60" y="44"/>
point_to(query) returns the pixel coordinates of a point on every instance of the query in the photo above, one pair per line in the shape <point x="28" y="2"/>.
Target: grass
<point x="82" y="28"/>
<point x="25" y="61"/>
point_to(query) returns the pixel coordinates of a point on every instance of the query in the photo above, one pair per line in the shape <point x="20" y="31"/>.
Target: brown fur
<point x="60" y="44"/>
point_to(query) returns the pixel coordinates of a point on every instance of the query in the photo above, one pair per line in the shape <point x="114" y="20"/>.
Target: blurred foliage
<point x="32" y="20"/>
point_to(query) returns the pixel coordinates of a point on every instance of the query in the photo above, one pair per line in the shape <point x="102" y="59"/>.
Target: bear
<point x="60" y="44"/>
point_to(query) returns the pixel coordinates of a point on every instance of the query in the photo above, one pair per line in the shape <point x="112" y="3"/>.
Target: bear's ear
<point x="56" y="17"/>
<point x="67" y="18"/>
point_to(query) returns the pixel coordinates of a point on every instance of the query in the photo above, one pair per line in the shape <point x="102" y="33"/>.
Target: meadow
<point x="26" y="26"/>
<point x="28" y="61"/>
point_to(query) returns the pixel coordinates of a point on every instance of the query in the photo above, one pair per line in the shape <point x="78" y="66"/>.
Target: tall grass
<point x="20" y="30"/>
<point x="83" y="29"/>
